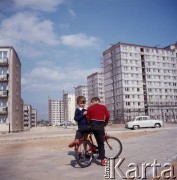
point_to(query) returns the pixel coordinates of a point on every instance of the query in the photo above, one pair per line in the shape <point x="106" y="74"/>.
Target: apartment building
<point x="34" y="118"/>
<point x="11" y="104"/>
<point x="29" y="117"/>
<point x="56" y="112"/>
<point x="81" y="91"/>
<point x="140" y="80"/>
<point x="69" y="106"/>
<point x="95" y="85"/>
<point x="27" y="111"/>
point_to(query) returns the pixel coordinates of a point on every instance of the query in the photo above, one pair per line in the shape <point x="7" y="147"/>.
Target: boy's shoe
<point x="75" y="142"/>
<point x="103" y="162"/>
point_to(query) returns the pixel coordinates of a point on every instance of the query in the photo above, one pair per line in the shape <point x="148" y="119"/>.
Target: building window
<point x="3" y="54"/>
<point x="128" y="103"/>
<point x="127" y="96"/>
<point x="126" y="82"/>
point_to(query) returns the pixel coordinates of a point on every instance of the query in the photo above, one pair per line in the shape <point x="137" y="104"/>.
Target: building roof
<point x="94" y="74"/>
<point x="129" y="44"/>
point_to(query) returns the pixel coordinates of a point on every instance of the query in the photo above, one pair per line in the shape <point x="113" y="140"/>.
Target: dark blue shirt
<point x="80" y="118"/>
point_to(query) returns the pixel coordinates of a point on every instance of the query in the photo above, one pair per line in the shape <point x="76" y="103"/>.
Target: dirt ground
<point x="52" y="143"/>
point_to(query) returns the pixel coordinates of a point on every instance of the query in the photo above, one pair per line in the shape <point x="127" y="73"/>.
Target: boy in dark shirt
<point x="80" y="114"/>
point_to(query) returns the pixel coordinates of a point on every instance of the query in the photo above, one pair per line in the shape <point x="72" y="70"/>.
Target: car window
<point x="139" y="119"/>
<point x="146" y="118"/>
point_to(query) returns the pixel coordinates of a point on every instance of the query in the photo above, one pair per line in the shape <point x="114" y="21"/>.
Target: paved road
<point x="61" y="165"/>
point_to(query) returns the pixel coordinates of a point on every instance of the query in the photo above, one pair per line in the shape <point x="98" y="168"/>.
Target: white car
<point x="143" y="122"/>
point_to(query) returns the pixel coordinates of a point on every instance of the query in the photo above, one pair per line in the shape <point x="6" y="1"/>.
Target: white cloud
<point x="48" y="77"/>
<point x="80" y="40"/>
<point x="40" y="5"/>
<point x="64" y="26"/>
<point x="72" y="13"/>
<point x="26" y="28"/>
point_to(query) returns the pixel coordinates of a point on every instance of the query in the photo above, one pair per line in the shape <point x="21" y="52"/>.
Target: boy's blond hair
<point x="81" y="99"/>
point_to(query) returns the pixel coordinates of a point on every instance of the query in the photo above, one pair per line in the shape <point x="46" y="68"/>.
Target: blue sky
<point x="60" y="42"/>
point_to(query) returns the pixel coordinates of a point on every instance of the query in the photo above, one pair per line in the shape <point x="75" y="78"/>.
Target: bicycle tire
<point x="83" y="154"/>
<point x="116" y="146"/>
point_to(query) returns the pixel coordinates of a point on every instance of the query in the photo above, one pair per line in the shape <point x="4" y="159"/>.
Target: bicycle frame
<point x="88" y="137"/>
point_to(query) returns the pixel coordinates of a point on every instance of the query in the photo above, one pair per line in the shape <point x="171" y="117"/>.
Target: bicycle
<point x="86" y="150"/>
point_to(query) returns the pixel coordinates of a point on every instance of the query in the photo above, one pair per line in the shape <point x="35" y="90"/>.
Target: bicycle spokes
<point x="113" y="147"/>
<point x="110" y="147"/>
<point x="84" y="154"/>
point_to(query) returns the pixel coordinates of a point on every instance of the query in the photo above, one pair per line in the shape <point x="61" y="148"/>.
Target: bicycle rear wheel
<point x="84" y="154"/>
<point x="113" y="147"/>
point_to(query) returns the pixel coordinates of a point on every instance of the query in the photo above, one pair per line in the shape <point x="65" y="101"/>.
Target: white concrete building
<point x="29" y="117"/>
<point x="27" y="111"/>
<point x="141" y="80"/>
<point x="11" y="104"/>
<point x="69" y="107"/>
<point x="56" y="111"/>
<point x="34" y="118"/>
<point x="95" y="85"/>
<point x="81" y="91"/>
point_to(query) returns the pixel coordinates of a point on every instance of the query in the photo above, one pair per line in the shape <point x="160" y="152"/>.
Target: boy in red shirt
<point x="98" y="117"/>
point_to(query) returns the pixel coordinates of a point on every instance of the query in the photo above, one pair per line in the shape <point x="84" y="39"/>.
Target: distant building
<point x="27" y="111"/>
<point x="141" y="80"/>
<point x="95" y="84"/>
<point x="29" y="117"/>
<point x="81" y="91"/>
<point x="69" y="106"/>
<point x="11" y="104"/>
<point x="34" y="118"/>
<point x="56" y="111"/>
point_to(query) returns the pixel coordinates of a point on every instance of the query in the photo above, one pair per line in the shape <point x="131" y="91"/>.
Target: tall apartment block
<point x="95" y="85"/>
<point x="11" y="104"/>
<point x="69" y="106"/>
<point x="56" y="112"/>
<point x="141" y="80"/>
<point x="29" y="117"/>
<point x="81" y="91"/>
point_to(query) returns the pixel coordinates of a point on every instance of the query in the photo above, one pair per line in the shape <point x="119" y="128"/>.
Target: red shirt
<point x="98" y="112"/>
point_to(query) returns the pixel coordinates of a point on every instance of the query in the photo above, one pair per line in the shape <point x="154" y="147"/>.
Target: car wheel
<point x="135" y="127"/>
<point x="157" y="126"/>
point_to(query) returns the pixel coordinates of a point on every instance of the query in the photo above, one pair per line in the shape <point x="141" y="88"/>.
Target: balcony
<point x="3" y="94"/>
<point x="4" y="78"/>
<point x="26" y="118"/>
<point x="4" y="62"/>
<point x="3" y="110"/>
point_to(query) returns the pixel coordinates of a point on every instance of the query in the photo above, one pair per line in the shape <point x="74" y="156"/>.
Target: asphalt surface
<point x="61" y="165"/>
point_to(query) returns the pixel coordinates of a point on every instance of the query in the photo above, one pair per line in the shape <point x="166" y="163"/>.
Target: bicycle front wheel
<point x="113" y="147"/>
<point x="84" y="154"/>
